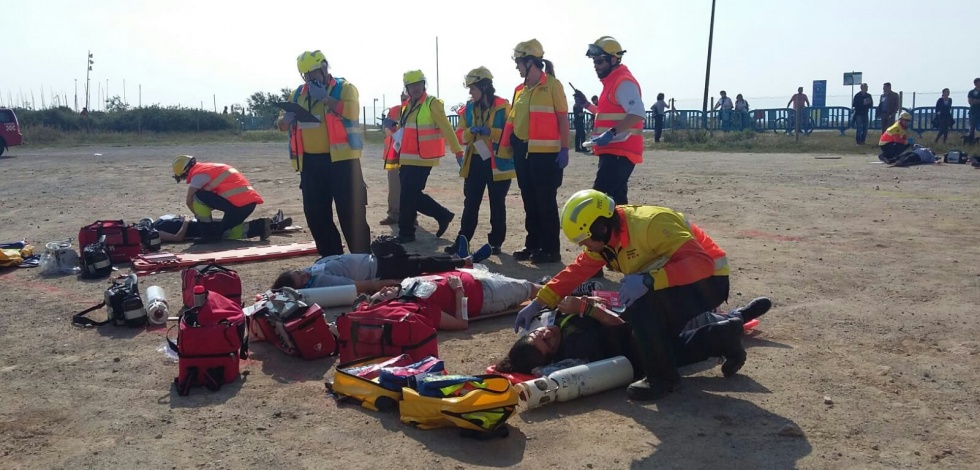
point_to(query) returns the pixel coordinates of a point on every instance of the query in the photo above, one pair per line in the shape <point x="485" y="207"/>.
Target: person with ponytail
<point x="484" y="166"/>
<point x="537" y="132"/>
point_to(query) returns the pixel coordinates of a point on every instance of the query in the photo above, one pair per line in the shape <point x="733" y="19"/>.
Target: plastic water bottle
<point x="200" y="296"/>
<point x="156" y="305"/>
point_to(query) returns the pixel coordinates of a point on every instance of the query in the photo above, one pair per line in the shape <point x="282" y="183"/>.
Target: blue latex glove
<point x="479" y="130"/>
<point x="527" y="314"/>
<point x="459" y="159"/>
<point x="632" y="288"/>
<point x="911" y="140"/>
<point x="288" y="118"/>
<point x="562" y="159"/>
<point x="317" y="91"/>
<point x="605" y="138"/>
<point x="388" y="123"/>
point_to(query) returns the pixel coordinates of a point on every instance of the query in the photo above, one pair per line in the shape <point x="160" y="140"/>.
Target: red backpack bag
<point x="214" y="278"/>
<point x="294" y="327"/>
<point x="210" y="340"/>
<point x="388" y="329"/>
<point x="122" y="241"/>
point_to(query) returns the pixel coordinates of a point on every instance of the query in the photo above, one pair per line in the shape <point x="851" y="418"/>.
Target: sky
<point x="218" y="52"/>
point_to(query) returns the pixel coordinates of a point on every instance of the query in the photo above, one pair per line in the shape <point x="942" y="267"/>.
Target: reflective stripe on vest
<point x="226" y="182"/>
<point x="542" y="132"/>
<point x="894" y="133"/>
<point x="346" y="141"/>
<point x="421" y="138"/>
<point x="628" y="143"/>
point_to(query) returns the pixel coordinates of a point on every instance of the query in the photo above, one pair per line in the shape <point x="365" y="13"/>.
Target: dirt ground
<point x="869" y="358"/>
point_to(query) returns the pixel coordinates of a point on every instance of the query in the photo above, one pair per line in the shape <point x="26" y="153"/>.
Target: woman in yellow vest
<point x="484" y="166"/>
<point x="327" y="154"/>
<point x="537" y="131"/>
<point x="421" y="142"/>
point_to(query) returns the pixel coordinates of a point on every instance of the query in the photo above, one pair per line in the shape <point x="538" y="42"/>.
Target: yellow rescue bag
<point x="483" y="407"/>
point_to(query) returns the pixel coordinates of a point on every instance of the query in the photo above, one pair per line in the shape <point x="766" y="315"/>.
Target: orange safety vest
<point x="629" y="143"/>
<point x="542" y="132"/>
<point x="346" y="142"/>
<point x="390" y="154"/>
<point x="226" y="182"/>
<point x="895" y="133"/>
<point x="421" y="138"/>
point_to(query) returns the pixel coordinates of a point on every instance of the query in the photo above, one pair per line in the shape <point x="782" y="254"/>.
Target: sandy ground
<point x="869" y="358"/>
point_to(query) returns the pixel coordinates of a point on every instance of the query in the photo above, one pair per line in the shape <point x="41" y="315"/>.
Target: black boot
<point x="755" y="309"/>
<point x="643" y="390"/>
<point x="730" y="346"/>
<point x="261" y="227"/>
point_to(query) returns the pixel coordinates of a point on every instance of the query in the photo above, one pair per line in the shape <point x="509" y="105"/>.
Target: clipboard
<point x="302" y="115"/>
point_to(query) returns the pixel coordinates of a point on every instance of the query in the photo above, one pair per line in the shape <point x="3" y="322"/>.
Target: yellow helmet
<point x="180" y="166"/>
<point x="905" y="115"/>
<point x="309" y="61"/>
<point x="581" y="210"/>
<point x="605" y="45"/>
<point x="475" y="75"/>
<point x="413" y="76"/>
<point x="530" y="48"/>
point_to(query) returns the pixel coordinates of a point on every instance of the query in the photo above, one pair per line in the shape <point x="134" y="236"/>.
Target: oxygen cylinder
<point x="333" y="296"/>
<point x="578" y="381"/>
<point x="156" y="305"/>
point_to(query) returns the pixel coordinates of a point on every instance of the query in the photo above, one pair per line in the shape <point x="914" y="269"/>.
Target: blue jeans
<point x="861" y="128"/>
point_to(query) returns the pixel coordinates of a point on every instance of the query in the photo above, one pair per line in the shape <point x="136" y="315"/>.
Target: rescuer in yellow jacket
<point x="390" y="125"/>
<point x="484" y="167"/>
<point x="327" y="154"/>
<point x="673" y="272"/>
<point x="896" y="139"/>
<point x="537" y="132"/>
<point x="421" y="140"/>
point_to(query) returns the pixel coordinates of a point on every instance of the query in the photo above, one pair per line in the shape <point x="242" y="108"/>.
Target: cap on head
<point x="905" y="115"/>
<point x="581" y="211"/>
<point x="606" y="45"/>
<point x="413" y="76"/>
<point x="475" y="75"/>
<point x="529" y="48"/>
<point x="309" y="61"/>
<point x="181" y="165"/>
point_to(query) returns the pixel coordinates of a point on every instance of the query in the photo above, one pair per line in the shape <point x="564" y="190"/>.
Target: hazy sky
<point x="183" y="52"/>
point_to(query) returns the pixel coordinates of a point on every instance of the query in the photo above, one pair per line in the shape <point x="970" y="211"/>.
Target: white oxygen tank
<point x="333" y="296"/>
<point x="578" y="381"/>
<point x="156" y="305"/>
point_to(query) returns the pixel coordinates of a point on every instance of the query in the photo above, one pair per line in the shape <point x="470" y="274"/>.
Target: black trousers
<point x="539" y="177"/>
<point x="233" y="215"/>
<point x="579" y="135"/>
<point x="480" y="179"/>
<point x="658" y="127"/>
<point x="613" y="177"/>
<point x="658" y="318"/>
<point x="400" y="267"/>
<point x="892" y="150"/>
<point x="322" y="182"/>
<point x="413" y="201"/>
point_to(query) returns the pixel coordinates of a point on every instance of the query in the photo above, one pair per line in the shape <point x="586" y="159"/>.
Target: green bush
<point x="150" y="119"/>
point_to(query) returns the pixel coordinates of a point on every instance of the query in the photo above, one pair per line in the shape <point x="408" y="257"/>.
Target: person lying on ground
<point x="442" y="295"/>
<point x="369" y="273"/>
<point x="586" y="329"/>
<point x="178" y="228"/>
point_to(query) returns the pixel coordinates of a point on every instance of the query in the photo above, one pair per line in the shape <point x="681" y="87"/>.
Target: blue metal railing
<point x="833" y="118"/>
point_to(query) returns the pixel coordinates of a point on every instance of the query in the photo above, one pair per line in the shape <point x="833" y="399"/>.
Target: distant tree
<point x="116" y="104"/>
<point x="263" y="104"/>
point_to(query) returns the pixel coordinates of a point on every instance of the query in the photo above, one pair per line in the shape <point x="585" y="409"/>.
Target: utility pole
<point x="124" y="91"/>
<point x="76" y="95"/>
<point x="88" y="71"/>
<point x="375" y="107"/>
<point x="707" y="71"/>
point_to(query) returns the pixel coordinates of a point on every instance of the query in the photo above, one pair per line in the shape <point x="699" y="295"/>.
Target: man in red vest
<point x="617" y="135"/>
<point x="390" y="125"/>
<point x="216" y="186"/>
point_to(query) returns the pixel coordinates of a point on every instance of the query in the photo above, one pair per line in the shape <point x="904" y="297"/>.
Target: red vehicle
<point x="9" y="130"/>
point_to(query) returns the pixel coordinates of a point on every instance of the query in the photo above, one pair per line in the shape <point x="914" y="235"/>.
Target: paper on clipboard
<point x="396" y="139"/>
<point x="482" y="148"/>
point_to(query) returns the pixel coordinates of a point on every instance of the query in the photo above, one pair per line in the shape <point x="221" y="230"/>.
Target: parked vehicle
<point x="9" y="130"/>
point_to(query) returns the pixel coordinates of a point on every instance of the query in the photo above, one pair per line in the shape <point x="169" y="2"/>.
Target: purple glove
<point x="527" y="314"/>
<point x="317" y="91"/>
<point x="479" y="130"/>
<point x="562" y="159"/>
<point x="633" y="287"/>
<point x="605" y="138"/>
